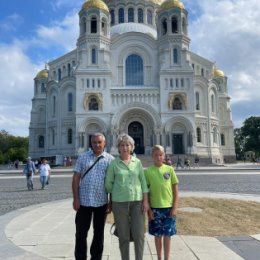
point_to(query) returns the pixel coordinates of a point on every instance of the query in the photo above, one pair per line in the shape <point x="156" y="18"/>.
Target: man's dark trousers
<point x="83" y="221"/>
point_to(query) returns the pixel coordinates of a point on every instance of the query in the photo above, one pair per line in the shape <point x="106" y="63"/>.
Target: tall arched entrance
<point x="177" y="144"/>
<point x="136" y="131"/>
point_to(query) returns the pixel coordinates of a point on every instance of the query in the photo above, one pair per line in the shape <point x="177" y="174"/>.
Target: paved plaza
<point x="47" y="230"/>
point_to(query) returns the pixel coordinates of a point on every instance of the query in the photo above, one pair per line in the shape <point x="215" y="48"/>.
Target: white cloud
<point x="58" y="4"/>
<point x="16" y="87"/>
<point x="62" y="34"/>
<point x="18" y="71"/>
<point x="11" y="22"/>
<point x="228" y="33"/>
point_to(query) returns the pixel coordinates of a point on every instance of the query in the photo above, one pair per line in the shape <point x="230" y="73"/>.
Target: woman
<point x="44" y="171"/>
<point x="125" y="181"/>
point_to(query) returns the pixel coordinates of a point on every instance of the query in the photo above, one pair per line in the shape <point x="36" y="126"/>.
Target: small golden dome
<point x="218" y="73"/>
<point x="168" y="4"/>
<point x="43" y="74"/>
<point x="95" y="4"/>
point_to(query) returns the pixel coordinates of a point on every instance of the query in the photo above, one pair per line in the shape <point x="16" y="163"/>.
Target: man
<point x="29" y="170"/>
<point x="90" y="197"/>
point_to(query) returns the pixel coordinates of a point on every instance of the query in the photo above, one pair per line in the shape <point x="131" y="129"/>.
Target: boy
<point x="163" y="197"/>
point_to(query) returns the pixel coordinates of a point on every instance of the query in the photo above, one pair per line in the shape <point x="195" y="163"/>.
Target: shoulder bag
<point x="91" y="166"/>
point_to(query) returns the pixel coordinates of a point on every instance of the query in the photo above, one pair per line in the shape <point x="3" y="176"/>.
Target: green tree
<point x="251" y="134"/>
<point x="10" y="155"/>
<point x="239" y="144"/>
<point x="12" y="147"/>
<point x="1" y="157"/>
<point x="3" y="141"/>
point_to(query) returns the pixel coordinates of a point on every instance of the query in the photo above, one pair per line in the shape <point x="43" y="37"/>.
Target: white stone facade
<point x="132" y="72"/>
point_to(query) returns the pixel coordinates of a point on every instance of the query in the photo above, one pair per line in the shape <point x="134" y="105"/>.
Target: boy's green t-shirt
<point x="159" y="181"/>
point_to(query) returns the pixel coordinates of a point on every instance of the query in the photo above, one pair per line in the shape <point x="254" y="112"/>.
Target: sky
<point x="33" y="33"/>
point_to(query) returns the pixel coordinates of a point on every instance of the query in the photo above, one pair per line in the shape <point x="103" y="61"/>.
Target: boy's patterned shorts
<point x="162" y="224"/>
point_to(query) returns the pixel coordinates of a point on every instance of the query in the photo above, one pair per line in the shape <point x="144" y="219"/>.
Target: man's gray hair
<point x="98" y="134"/>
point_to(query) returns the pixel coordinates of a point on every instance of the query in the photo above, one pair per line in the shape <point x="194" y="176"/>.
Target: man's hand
<point x="76" y="204"/>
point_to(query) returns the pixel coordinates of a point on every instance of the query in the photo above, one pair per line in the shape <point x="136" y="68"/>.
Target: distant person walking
<point x="196" y="162"/>
<point x="29" y="170"/>
<point x="45" y="171"/>
<point x="179" y="163"/>
<point x="16" y="164"/>
<point x="65" y="161"/>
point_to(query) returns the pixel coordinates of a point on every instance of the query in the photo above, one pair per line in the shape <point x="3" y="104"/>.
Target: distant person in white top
<point x="44" y="171"/>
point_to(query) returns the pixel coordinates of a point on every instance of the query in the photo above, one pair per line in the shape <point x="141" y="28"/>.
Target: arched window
<point x="69" y="136"/>
<point x="41" y="141"/>
<point x="171" y="82"/>
<point x="130" y="15"/>
<point x="223" y="142"/>
<point x="93" y="56"/>
<point x="69" y="69"/>
<point x="93" y="25"/>
<point x="177" y="83"/>
<point x="198" y="135"/>
<point x="42" y="88"/>
<point x="197" y="100"/>
<point x="213" y="110"/>
<point x="149" y="17"/>
<point x="182" y="82"/>
<point x="53" y="105"/>
<point x="140" y="15"/>
<point x="134" y="70"/>
<point x="121" y="15"/>
<point x="112" y="15"/>
<point x="175" y="56"/>
<point x="53" y="137"/>
<point x="93" y="104"/>
<point x="59" y="74"/>
<point x="177" y="104"/>
<point x="70" y="102"/>
<point x="174" y="25"/>
<point x="164" y="26"/>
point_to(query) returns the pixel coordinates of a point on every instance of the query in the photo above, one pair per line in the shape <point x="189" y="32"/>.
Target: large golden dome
<point x="99" y="4"/>
<point x="168" y="4"/>
<point x="152" y="1"/>
<point x="155" y="1"/>
<point x="218" y="73"/>
<point x="43" y="74"/>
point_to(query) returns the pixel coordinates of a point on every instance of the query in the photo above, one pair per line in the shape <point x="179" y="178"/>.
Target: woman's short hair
<point x="126" y="139"/>
<point x="157" y="147"/>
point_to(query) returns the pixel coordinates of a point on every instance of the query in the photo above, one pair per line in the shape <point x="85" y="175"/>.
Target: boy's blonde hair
<point x="157" y="147"/>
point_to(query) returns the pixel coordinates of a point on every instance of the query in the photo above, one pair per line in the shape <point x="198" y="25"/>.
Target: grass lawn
<point x="218" y="217"/>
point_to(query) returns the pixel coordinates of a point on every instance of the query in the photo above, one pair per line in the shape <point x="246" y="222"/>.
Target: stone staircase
<point x="145" y="159"/>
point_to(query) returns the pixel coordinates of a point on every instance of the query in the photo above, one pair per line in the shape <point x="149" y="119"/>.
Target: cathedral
<point x="132" y="72"/>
